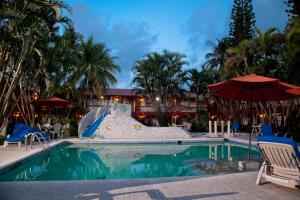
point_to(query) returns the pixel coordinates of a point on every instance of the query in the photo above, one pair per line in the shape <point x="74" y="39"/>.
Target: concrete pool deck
<point x="231" y="186"/>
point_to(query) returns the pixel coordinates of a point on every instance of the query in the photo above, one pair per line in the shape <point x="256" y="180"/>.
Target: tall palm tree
<point x="159" y="76"/>
<point x="292" y="56"/>
<point x="198" y="83"/>
<point x="22" y="24"/>
<point x="96" y="69"/>
<point x="216" y="59"/>
<point x="237" y="61"/>
<point x="268" y="47"/>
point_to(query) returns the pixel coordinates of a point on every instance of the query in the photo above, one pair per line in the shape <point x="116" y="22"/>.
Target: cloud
<point x="127" y="41"/>
<point x="207" y="23"/>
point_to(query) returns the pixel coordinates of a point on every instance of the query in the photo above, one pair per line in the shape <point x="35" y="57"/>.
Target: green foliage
<point x="200" y="124"/>
<point x="159" y="76"/>
<point x="294" y="8"/>
<point x="95" y="70"/>
<point x="26" y="29"/>
<point x="2" y="138"/>
<point x="73" y="130"/>
<point x="242" y="21"/>
<point x="216" y="59"/>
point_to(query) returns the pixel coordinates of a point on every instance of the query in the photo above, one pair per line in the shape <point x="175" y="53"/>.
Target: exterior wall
<point x="140" y="106"/>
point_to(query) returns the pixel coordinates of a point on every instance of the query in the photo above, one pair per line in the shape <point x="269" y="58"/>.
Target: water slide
<point x="91" y="121"/>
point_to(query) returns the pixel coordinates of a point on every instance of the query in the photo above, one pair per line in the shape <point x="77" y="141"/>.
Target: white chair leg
<point x="19" y="144"/>
<point x="5" y="144"/>
<point x="261" y="170"/>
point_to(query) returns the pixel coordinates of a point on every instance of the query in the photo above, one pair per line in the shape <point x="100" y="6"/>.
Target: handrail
<point x="38" y="135"/>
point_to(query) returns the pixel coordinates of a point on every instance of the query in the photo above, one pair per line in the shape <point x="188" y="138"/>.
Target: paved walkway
<point x="232" y="186"/>
<point x="12" y="153"/>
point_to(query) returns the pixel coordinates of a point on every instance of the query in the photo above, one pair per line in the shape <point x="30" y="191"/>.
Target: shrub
<point x="199" y="126"/>
<point x="2" y="138"/>
<point x="73" y="130"/>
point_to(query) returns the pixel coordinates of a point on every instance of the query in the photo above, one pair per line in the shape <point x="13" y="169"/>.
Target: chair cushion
<point x="280" y="140"/>
<point x="19" y="128"/>
<point x="266" y="130"/>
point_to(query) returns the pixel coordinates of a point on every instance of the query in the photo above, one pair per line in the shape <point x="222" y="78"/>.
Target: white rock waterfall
<point x="120" y="125"/>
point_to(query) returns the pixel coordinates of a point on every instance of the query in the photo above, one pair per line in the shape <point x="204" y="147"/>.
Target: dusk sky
<point x="133" y="28"/>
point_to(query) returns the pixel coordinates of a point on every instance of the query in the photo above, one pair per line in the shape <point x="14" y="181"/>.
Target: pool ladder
<point x="39" y="136"/>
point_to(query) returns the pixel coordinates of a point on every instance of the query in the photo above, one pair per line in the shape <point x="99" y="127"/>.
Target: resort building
<point x="142" y="108"/>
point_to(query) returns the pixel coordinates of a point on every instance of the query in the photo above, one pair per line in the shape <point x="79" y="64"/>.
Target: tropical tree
<point x="267" y="55"/>
<point x="242" y="21"/>
<point x="216" y="59"/>
<point x="238" y="61"/>
<point x="95" y="70"/>
<point x="159" y="77"/>
<point x="23" y="26"/>
<point x="294" y="8"/>
<point x="292" y="54"/>
<point x="198" y="83"/>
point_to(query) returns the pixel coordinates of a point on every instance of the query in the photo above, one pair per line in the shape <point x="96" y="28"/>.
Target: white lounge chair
<point x="281" y="161"/>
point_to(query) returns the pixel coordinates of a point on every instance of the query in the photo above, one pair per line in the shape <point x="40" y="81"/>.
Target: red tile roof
<point x="120" y="92"/>
<point x="132" y="92"/>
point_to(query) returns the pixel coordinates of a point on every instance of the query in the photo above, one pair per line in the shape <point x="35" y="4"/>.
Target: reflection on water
<point x="98" y="161"/>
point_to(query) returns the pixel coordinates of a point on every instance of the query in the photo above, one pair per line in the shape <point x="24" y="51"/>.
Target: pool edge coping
<point x="76" y="141"/>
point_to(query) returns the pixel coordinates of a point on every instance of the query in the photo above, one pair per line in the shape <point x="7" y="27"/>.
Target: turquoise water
<point x="102" y="161"/>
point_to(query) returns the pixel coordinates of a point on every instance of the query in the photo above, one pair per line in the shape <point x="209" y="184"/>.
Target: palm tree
<point x="238" y="59"/>
<point x="268" y="47"/>
<point x="96" y="69"/>
<point x="292" y="56"/>
<point x="22" y="24"/>
<point x="216" y="59"/>
<point x="160" y="78"/>
<point x="198" y="83"/>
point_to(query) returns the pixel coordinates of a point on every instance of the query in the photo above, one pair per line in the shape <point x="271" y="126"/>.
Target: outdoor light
<point x="16" y="114"/>
<point x="35" y="96"/>
<point x="142" y="99"/>
<point x="157" y="98"/>
<point x="102" y="97"/>
<point x="211" y="101"/>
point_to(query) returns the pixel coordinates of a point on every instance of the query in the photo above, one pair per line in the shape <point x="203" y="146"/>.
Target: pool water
<point x="107" y="161"/>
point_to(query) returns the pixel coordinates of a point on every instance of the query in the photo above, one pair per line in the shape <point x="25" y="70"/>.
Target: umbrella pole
<point x="251" y="121"/>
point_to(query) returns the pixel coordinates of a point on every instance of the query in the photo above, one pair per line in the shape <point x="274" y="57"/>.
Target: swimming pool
<point x="127" y="161"/>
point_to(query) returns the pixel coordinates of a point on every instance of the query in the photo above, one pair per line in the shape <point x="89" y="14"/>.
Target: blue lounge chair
<point x="235" y="127"/>
<point x="281" y="161"/>
<point x="266" y="130"/>
<point x="18" y="135"/>
<point x="21" y="131"/>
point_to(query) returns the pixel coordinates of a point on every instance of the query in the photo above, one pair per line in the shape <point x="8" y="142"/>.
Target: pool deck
<point x="230" y="186"/>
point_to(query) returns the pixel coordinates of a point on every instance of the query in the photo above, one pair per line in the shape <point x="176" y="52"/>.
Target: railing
<point x="186" y="109"/>
<point x="148" y="108"/>
<point x="38" y="136"/>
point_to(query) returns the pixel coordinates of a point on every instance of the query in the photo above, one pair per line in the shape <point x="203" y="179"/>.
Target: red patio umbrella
<point x="294" y="91"/>
<point x="54" y="102"/>
<point x="253" y="87"/>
